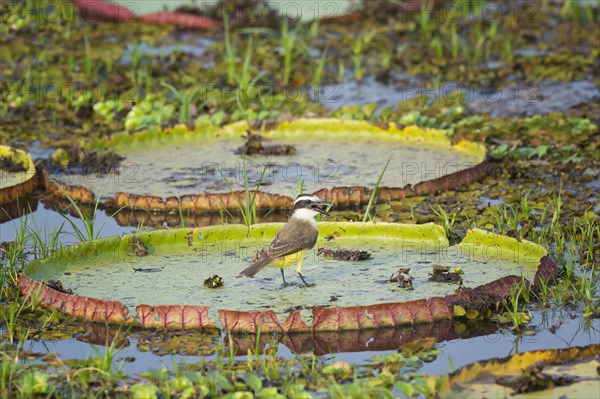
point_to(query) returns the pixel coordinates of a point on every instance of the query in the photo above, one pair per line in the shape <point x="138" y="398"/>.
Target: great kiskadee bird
<point x="293" y="239"/>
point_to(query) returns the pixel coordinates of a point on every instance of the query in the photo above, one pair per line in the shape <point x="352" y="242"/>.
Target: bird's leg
<point x="282" y="276"/>
<point x="303" y="280"/>
<point x="299" y="271"/>
<point x="299" y="267"/>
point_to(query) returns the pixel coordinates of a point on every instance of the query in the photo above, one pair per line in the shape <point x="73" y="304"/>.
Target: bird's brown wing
<point x="291" y="239"/>
<point x="285" y="244"/>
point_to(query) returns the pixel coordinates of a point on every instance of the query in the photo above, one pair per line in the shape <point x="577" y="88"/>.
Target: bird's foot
<point x="306" y="285"/>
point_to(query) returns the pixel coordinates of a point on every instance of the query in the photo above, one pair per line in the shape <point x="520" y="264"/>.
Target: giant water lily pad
<point x="557" y="373"/>
<point x="176" y="168"/>
<point x="17" y="174"/>
<point x="161" y="274"/>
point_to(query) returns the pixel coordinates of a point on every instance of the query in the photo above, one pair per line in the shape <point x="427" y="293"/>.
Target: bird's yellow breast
<point x="288" y="259"/>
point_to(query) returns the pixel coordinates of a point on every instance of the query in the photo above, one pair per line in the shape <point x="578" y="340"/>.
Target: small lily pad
<point x="17" y="174"/>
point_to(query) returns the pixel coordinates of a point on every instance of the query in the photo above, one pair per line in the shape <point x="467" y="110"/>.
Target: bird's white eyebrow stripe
<point x="307" y="197"/>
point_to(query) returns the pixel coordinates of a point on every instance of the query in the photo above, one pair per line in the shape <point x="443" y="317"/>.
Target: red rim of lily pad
<point x="373" y="316"/>
<point x="103" y="11"/>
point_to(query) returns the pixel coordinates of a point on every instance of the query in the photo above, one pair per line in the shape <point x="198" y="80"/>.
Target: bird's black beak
<point x="322" y="211"/>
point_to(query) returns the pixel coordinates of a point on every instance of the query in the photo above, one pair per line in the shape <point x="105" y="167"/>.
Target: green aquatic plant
<point x="318" y="76"/>
<point x="436" y="47"/>
<point x="44" y="241"/>
<point x="151" y="111"/>
<point x="555" y="225"/>
<point x="33" y="383"/>
<point x="516" y="315"/>
<point x="367" y="214"/>
<point x="313" y="30"/>
<point x="506" y="219"/>
<point x="359" y="72"/>
<point x="216" y="119"/>
<point x="243" y="79"/>
<point x="14" y="256"/>
<point x="248" y="210"/>
<point x="581" y="126"/>
<point x="9" y="370"/>
<point x="580" y="11"/>
<point x="507" y="50"/>
<point x="454" y="42"/>
<point x="524" y="207"/>
<point x="387" y="58"/>
<point x="186" y="99"/>
<point x="90" y="230"/>
<point x="136" y="60"/>
<point x="11" y="314"/>
<point x="89" y="64"/>
<point x="446" y="220"/>
<point x="425" y="25"/>
<point x="341" y="70"/>
<point x="542" y="294"/>
<point x="288" y="45"/>
<point x="361" y="45"/>
<point x="230" y="52"/>
<point x="107" y="109"/>
<point x="589" y="234"/>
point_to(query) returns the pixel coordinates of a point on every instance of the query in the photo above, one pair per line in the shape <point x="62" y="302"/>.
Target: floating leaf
<point x="154" y="188"/>
<point x="253" y="382"/>
<point x="576" y="367"/>
<point x="110" y="260"/>
<point x="458" y="311"/>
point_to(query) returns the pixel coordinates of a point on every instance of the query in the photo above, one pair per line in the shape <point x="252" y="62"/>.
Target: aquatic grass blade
<point x="374" y="192"/>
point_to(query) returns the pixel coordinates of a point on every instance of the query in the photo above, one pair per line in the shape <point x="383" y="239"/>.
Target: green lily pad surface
<point x="329" y="153"/>
<point x="178" y="261"/>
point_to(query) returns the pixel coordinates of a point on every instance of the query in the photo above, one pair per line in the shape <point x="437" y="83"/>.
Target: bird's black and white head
<point x="308" y="206"/>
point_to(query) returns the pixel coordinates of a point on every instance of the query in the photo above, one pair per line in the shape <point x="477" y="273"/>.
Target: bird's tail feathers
<point x="260" y="263"/>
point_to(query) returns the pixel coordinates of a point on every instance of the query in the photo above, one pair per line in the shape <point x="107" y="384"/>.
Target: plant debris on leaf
<point x="215" y="281"/>
<point x="9" y="164"/>
<point x="77" y="159"/>
<point x="58" y="286"/>
<point x="254" y="145"/>
<point x="344" y="254"/>
<point x="137" y="247"/>
<point x="534" y="379"/>
<point x="403" y="278"/>
<point x="442" y="274"/>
